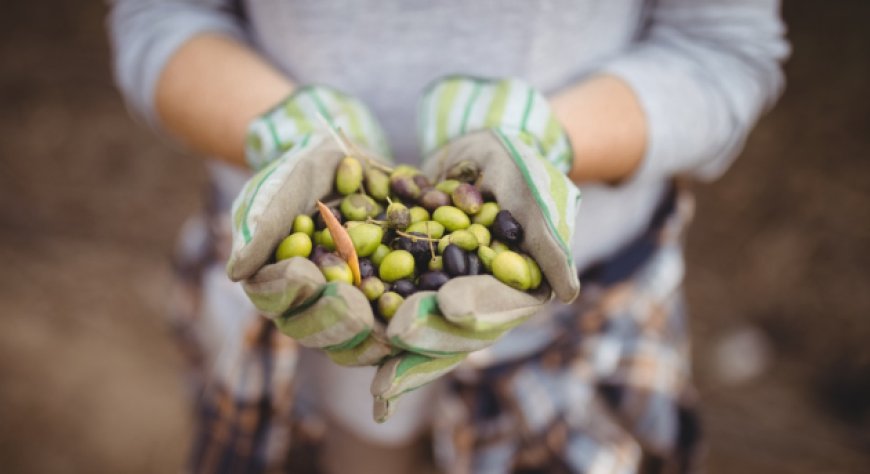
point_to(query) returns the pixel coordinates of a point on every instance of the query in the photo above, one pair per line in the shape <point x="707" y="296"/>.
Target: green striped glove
<point x="295" y="158"/>
<point x="508" y="130"/>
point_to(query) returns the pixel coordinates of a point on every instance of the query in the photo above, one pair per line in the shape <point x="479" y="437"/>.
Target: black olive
<point x="455" y="260"/>
<point x="419" y="248"/>
<point x="475" y="266"/>
<point x="403" y="287"/>
<point x="432" y="280"/>
<point x="506" y="228"/>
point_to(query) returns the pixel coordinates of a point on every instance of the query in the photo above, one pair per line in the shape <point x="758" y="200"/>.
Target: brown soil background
<point x="90" y="204"/>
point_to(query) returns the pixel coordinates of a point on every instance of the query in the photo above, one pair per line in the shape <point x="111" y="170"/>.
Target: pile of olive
<point x="410" y="235"/>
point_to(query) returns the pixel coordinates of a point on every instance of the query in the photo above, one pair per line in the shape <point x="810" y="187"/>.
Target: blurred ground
<point x="90" y="204"/>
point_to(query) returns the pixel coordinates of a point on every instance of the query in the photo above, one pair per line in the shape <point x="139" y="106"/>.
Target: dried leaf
<point x="343" y="243"/>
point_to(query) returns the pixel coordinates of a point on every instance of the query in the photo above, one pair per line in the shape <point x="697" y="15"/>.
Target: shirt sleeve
<point x="703" y="71"/>
<point x="144" y="34"/>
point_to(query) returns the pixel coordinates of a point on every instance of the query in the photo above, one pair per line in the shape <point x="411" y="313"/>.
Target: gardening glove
<point x="508" y="130"/>
<point x="295" y="158"/>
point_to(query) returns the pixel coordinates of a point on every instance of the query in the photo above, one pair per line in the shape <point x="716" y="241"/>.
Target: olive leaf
<point x="343" y="243"/>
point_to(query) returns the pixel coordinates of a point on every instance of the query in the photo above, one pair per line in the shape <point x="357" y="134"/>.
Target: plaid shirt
<point x="610" y="394"/>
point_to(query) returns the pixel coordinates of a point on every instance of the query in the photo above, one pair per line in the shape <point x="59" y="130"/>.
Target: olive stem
<point x="412" y="236"/>
<point x="431" y="245"/>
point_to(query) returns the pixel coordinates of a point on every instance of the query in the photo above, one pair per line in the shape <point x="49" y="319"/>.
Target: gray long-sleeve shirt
<point x="703" y="70"/>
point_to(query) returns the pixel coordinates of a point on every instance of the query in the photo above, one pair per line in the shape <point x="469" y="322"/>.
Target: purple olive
<point x="319" y="224"/>
<point x="467" y="198"/>
<point x="405" y="187"/>
<point x="433" y="199"/>
<point x="366" y="268"/>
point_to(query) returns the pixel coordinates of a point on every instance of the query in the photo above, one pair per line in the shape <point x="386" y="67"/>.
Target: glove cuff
<point x="288" y="124"/>
<point x="456" y="105"/>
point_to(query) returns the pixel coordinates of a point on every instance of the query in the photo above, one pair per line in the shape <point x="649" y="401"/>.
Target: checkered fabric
<point x="611" y="394"/>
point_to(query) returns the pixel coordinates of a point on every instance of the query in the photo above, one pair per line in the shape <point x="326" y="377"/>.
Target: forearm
<point x="606" y="127"/>
<point x="211" y="89"/>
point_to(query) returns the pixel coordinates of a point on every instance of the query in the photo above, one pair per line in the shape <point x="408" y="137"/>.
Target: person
<point x="649" y="94"/>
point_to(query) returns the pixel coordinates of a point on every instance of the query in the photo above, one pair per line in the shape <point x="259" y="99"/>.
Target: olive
<point x="432" y="229"/>
<point x="366" y="238"/>
<point x="486" y="215"/>
<point x="389" y="303"/>
<point x="372" y="287"/>
<point x="357" y="207"/>
<point x="297" y="244"/>
<point x="417" y="244"/>
<point x="498" y="246"/>
<point x="443" y="243"/>
<point x="463" y="239"/>
<point x="318" y="253"/>
<point x="467" y="198"/>
<point x="403" y="287"/>
<point x="447" y="186"/>
<point x="436" y="263"/>
<point x="486" y="256"/>
<point x="431" y="281"/>
<point x="304" y="224"/>
<point x="398" y="216"/>
<point x="465" y="170"/>
<point x="511" y="269"/>
<point x="535" y="276"/>
<point x="396" y="265"/>
<point x="451" y="218"/>
<point x="433" y="199"/>
<point x="419" y="214"/>
<point x="475" y="267"/>
<point x="480" y="233"/>
<point x="455" y="261"/>
<point x="405" y="187"/>
<point x="325" y="239"/>
<point x="377" y="183"/>
<point x="378" y="255"/>
<point x="506" y="228"/>
<point x="335" y="269"/>
<point x="366" y="268"/>
<point x="318" y="219"/>
<point x="348" y="175"/>
<point x="422" y="181"/>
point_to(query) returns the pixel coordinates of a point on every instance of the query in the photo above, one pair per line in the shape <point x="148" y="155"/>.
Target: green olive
<point x="418" y="214"/>
<point x="486" y="215"/>
<point x="326" y="239"/>
<point x="436" y="263"/>
<point x="498" y="246"/>
<point x="378" y="255"/>
<point x="366" y="238"/>
<point x="433" y="229"/>
<point x="534" y="272"/>
<point x="356" y="207"/>
<point x="486" y="255"/>
<point x="512" y="269"/>
<point x="335" y="269"/>
<point x="452" y="218"/>
<point x="463" y="239"/>
<point x="389" y="303"/>
<point x="443" y="243"/>
<point x="305" y="224"/>
<point x="481" y="232"/>
<point x="297" y="244"/>
<point x="348" y="175"/>
<point x="396" y="265"/>
<point x="398" y="216"/>
<point x="447" y="186"/>
<point x="377" y="183"/>
<point x="372" y="287"/>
